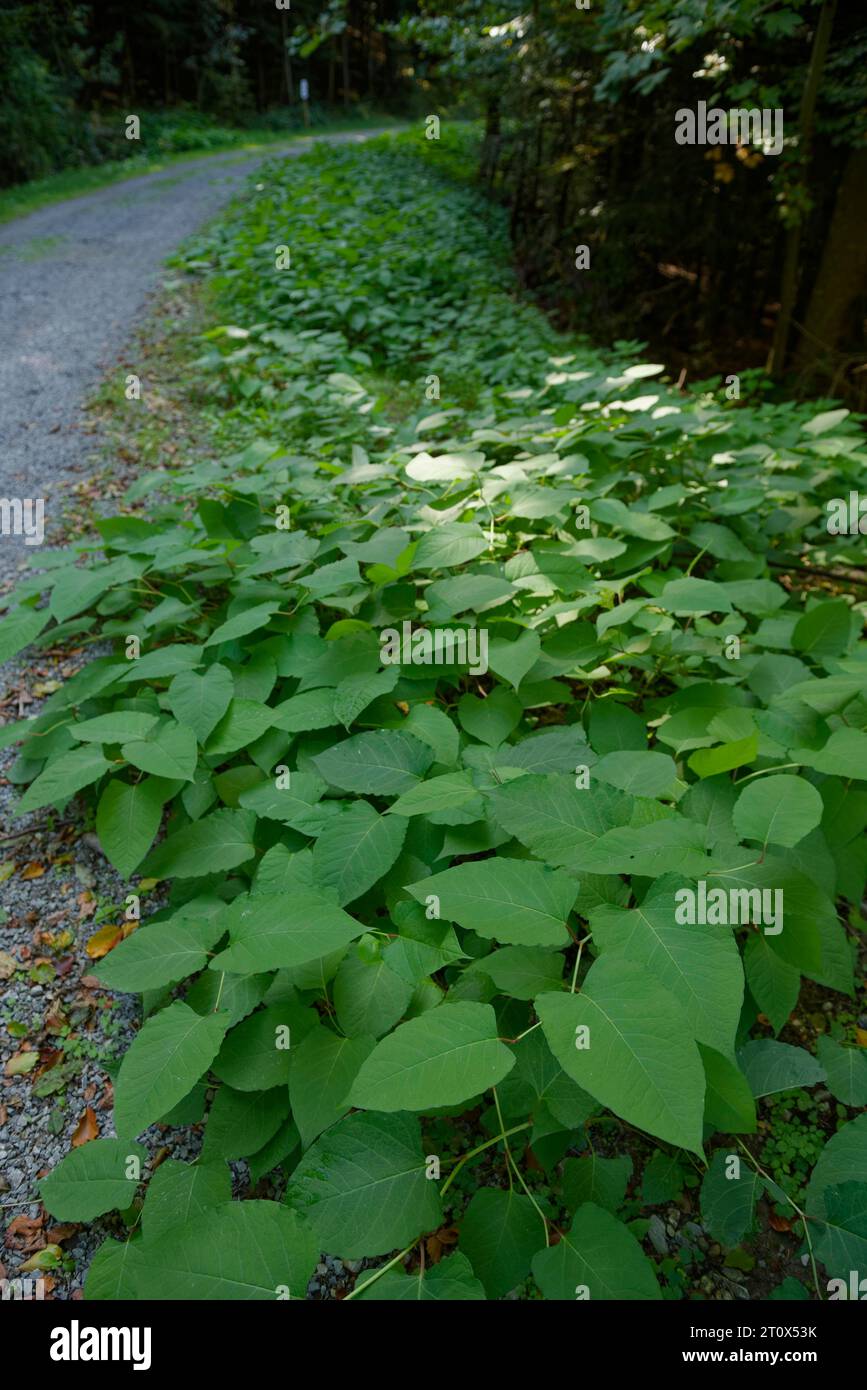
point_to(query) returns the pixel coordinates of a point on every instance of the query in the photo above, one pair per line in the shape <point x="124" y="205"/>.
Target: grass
<point x="73" y="183"/>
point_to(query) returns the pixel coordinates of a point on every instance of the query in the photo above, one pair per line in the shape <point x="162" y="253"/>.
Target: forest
<point x="579" y="103"/>
<point x="434" y="742"/>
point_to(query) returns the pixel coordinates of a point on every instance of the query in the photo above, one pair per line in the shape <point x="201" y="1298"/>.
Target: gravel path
<point x="74" y="278"/>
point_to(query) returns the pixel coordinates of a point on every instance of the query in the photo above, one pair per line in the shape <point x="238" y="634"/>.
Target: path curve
<point x="74" y="278"/>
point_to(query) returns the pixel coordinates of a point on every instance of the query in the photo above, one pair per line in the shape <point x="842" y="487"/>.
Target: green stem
<point x="378" y="1273"/>
<point x="516" y="1129"/>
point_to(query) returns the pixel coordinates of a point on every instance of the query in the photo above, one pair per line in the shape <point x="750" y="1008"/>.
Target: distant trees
<point x="63" y="63"/>
<point x="723" y="254"/>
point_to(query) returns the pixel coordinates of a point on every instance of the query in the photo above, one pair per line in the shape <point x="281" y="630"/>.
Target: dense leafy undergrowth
<point x="452" y="947"/>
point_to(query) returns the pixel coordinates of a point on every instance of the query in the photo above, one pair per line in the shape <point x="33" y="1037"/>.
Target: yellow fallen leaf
<point x="103" y="941"/>
<point x="21" y="1063"/>
<point x="7" y="869"/>
<point x="146" y="884"/>
<point x="861" y="1037"/>
<point x="48" y="1257"/>
<point x="33" y="870"/>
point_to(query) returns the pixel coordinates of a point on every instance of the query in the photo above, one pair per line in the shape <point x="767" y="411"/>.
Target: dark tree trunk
<point x="791" y="257"/>
<point x="842" y="277"/>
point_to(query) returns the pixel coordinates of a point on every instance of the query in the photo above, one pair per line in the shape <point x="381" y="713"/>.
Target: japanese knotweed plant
<point x="504" y="760"/>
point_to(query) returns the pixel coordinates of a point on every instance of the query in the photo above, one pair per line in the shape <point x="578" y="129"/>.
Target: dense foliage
<point x="422" y="950"/>
<point x="581" y="103"/>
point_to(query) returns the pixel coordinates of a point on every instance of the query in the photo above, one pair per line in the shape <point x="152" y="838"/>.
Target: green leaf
<point x="729" y="1102"/>
<point x="93" y="1179"/>
<point x="217" y="842"/>
<point x="773" y="983"/>
<point x="500" y="1233"/>
<point x="699" y="965"/>
<point x="490" y="720"/>
<point x="639" y="773"/>
<point x="641" y="1061"/>
<point x="356" y="692"/>
<point x="777" y="810"/>
<point x="313" y="709"/>
<point x="448" y="544"/>
<point x="445" y="793"/>
<point x="596" y="1258"/>
<point x="845" y="1069"/>
<point x="522" y="972"/>
<point x="708" y="762"/>
<point x="110" y="1276"/>
<point x="513" y="900"/>
<point x="19" y="629"/>
<point x="127" y="819"/>
<point x="165" y="1060"/>
<point x="842" y="1239"/>
<point x="356" y="849"/>
<point x="170" y="751"/>
<point x="362" y="1186"/>
<point x="729" y="1192"/>
<point x="201" y="701"/>
<point x="237" y="1251"/>
<point x="257" y="1053"/>
<point x="295" y="804"/>
<point x="824" y="629"/>
<point x="248" y="621"/>
<point x="450" y="1281"/>
<point x="63" y="777"/>
<point x="448" y="1055"/>
<point x="774" y="1066"/>
<point x="324" y="1066"/>
<point x="179" y="1192"/>
<point x="240" y="1123"/>
<point x="512" y="660"/>
<point x="555" y="819"/>
<point x="159" y="955"/>
<point x="843" y="1160"/>
<point x="383" y="763"/>
<point x="368" y="996"/>
<point x="113" y="728"/>
<point x="243" y="722"/>
<point x="594" y="1179"/>
<point x="271" y="931"/>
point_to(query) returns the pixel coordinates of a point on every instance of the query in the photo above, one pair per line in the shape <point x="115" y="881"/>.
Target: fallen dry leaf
<point x="56" y="1235"/>
<point x="103" y="941"/>
<point x="25" y="1233"/>
<point x="46" y="1258"/>
<point x="8" y="965"/>
<point x="20" y="1063"/>
<point x="33" y="870"/>
<point x="86" y="1129"/>
<point x="779" y="1223"/>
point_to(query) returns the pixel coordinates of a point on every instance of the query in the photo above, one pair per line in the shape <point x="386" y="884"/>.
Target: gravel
<point x="74" y="279"/>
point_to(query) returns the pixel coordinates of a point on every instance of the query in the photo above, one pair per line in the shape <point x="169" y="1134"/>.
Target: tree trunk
<point x="344" y="46"/>
<point x="791" y="258"/>
<point x="842" y="276"/>
<point x="287" y="61"/>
